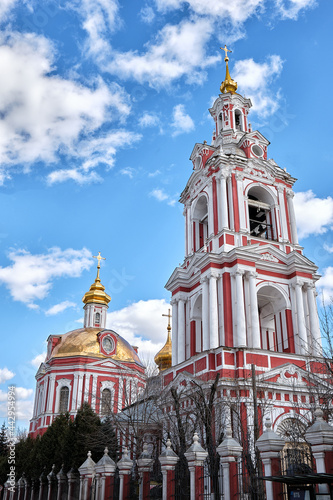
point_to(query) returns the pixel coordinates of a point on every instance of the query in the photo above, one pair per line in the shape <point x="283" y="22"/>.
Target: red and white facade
<point x="92" y="364"/>
<point x="245" y="293"/>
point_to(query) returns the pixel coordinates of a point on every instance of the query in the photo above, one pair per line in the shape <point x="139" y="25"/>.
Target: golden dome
<point x="163" y="358"/>
<point x="228" y="85"/>
<point x="97" y="292"/>
<point x="84" y="342"/>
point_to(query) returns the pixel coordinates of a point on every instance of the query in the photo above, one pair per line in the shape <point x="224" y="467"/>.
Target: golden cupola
<point x="228" y="85"/>
<point x="163" y="358"/>
<point x="96" y="301"/>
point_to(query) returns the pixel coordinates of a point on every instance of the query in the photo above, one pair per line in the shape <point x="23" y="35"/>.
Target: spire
<point x="229" y="85"/>
<point x="96" y="292"/>
<point x="163" y="357"/>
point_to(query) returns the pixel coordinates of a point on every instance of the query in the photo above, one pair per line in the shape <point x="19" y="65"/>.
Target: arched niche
<point x="261" y="220"/>
<point x="196" y="324"/>
<point x="200" y="222"/>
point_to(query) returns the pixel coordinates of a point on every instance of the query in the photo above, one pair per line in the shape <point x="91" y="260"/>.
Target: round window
<point x="256" y="150"/>
<point x="108" y="344"/>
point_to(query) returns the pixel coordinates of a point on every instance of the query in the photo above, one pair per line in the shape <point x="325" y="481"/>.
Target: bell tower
<point x="245" y="290"/>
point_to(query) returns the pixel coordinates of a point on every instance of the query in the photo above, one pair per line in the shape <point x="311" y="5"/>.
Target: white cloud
<point x="325" y="285"/>
<point x="254" y="79"/>
<point x="128" y="171"/>
<point x="177" y="51"/>
<point x="147" y="14"/>
<point x="182" y="122"/>
<point x="23" y="404"/>
<point x="313" y="215"/>
<point x="161" y="195"/>
<point x="328" y="248"/>
<point x="45" y="116"/>
<point x="236" y="11"/>
<point x="93" y="153"/>
<point x="5" y="8"/>
<point x="100" y="19"/>
<point x="155" y="173"/>
<point x="142" y="325"/>
<point x="290" y="9"/>
<point x="5" y="375"/>
<point x="30" y="277"/>
<point x="40" y="358"/>
<point x="58" y="308"/>
<point x="149" y="120"/>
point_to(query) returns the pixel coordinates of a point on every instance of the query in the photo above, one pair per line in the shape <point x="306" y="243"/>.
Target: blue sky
<point x="101" y="104"/>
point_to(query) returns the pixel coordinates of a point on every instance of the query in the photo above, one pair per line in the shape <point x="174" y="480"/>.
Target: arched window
<point x="63" y="401"/>
<point x="274" y="311"/>
<point x="200" y="223"/>
<point x="97" y="319"/>
<point x="238" y="120"/>
<point x="260" y="213"/>
<point x="106" y="402"/>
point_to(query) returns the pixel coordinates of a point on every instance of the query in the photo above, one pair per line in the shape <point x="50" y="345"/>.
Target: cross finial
<point x="226" y="50"/>
<point x="169" y="317"/>
<point x="99" y="258"/>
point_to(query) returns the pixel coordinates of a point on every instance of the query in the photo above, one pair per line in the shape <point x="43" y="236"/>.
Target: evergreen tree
<point x="107" y="438"/>
<point x="3" y="440"/>
<point x="85" y="435"/>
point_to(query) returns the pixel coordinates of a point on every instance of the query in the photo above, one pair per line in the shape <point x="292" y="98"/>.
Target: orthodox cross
<point x="99" y="258"/>
<point x="226" y="50"/>
<point x="169" y="317"/>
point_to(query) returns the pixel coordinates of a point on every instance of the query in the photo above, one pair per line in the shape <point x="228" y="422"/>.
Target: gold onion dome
<point x="97" y="292"/>
<point x="228" y="85"/>
<point x="164" y="357"/>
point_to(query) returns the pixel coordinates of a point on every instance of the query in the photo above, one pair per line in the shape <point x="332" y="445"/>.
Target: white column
<point x="174" y="331"/>
<point x="241" y="206"/>
<point x="86" y="387"/>
<point x="181" y="330"/>
<point x="255" y="327"/>
<point x="240" y="313"/>
<point x="268" y="484"/>
<point x="292" y="218"/>
<point x="313" y="318"/>
<point x="213" y="310"/>
<point x="283" y="216"/>
<point x="230" y="203"/>
<point x="189" y="231"/>
<point x="74" y="397"/>
<point x="221" y="310"/>
<point x="303" y="345"/>
<point x="205" y="314"/>
<point x="210" y="210"/>
<point x="94" y="393"/>
<point x="223" y="203"/>
<point x="79" y="392"/>
<point x="51" y="393"/>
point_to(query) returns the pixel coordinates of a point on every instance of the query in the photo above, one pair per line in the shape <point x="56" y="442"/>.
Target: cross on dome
<point x="228" y="85"/>
<point x="99" y="258"/>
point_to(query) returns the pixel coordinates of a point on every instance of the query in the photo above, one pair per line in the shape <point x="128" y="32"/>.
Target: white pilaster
<point x="241" y="206"/>
<point x="174" y="304"/>
<point x="255" y="327"/>
<point x="221" y="309"/>
<point x="181" y="330"/>
<point x="210" y="210"/>
<point x="313" y="318"/>
<point x="86" y="387"/>
<point x="94" y="404"/>
<point x="213" y="310"/>
<point x="79" y="391"/>
<point x="205" y="314"/>
<point x="283" y="216"/>
<point x="240" y="312"/>
<point x="303" y="345"/>
<point x="51" y="393"/>
<point x="290" y="196"/>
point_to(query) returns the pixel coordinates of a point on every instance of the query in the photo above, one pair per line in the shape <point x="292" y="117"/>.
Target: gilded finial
<point x="228" y="85"/>
<point x="163" y="357"/>
<point x="99" y="258"/>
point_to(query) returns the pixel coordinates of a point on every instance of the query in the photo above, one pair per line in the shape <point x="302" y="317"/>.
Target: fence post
<point x="20" y="488"/>
<point x="196" y="456"/>
<point x="270" y="445"/>
<point x="87" y="474"/>
<point x="27" y="488"/>
<point x="42" y="486"/>
<point x="320" y="436"/>
<point x="168" y="460"/>
<point x="73" y="484"/>
<point x="229" y="450"/>
<point x="6" y="490"/>
<point x="125" y="466"/>
<point x="105" y="468"/>
<point x="52" y="482"/>
<point x="62" y="485"/>
<point x="144" y="463"/>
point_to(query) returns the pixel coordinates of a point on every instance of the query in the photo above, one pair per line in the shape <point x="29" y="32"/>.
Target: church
<point x="91" y="364"/>
<point x="243" y="300"/>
